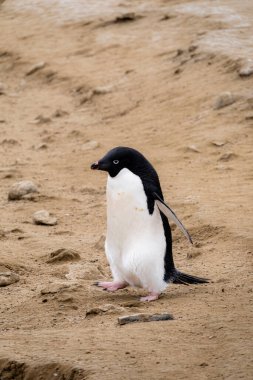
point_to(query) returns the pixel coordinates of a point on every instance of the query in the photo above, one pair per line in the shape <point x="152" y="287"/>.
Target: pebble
<point x="35" y="68"/>
<point x="90" y="145"/>
<point x="144" y="318"/>
<point x="41" y="146"/>
<point x="218" y="143"/>
<point x="43" y="217"/>
<point x="227" y="156"/>
<point x="8" y="278"/>
<point x="129" y="16"/>
<point x="102" y="90"/>
<point x="192" y="148"/>
<point x="21" y="189"/>
<point x="224" y="100"/>
<point x="247" y="69"/>
<point x="63" y="254"/>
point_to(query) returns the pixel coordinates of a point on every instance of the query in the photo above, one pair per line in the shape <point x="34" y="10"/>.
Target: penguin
<point x="138" y="243"/>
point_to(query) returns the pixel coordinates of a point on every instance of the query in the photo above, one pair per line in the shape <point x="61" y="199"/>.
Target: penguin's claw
<point x="150" y="297"/>
<point x="111" y="286"/>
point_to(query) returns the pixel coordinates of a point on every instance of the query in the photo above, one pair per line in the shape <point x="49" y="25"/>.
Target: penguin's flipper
<point x="169" y="213"/>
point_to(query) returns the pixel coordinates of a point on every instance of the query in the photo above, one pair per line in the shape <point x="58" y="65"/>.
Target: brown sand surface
<point x="145" y="74"/>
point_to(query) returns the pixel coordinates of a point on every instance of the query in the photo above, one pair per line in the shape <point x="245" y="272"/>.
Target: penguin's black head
<point x="119" y="158"/>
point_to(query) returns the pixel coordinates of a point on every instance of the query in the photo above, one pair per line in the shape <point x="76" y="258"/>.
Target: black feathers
<point x="186" y="279"/>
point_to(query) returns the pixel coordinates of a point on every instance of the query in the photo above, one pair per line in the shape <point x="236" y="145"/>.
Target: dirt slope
<point x="150" y="79"/>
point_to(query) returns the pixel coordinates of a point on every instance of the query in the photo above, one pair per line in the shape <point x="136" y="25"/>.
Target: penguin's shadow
<point x="131" y="295"/>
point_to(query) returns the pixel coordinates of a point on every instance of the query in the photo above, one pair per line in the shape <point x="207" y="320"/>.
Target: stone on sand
<point x="223" y="100"/>
<point x="227" y="156"/>
<point x="8" y="278"/>
<point x="21" y="189"/>
<point x="247" y="68"/>
<point x="43" y="217"/>
<point x="38" y="66"/>
<point x="142" y="317"/>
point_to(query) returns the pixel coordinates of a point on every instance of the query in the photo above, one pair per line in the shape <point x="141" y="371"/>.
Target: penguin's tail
<point x="186" y="279"/>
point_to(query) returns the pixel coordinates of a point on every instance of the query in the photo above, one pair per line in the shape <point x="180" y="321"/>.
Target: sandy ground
<point x="149" y="80"/>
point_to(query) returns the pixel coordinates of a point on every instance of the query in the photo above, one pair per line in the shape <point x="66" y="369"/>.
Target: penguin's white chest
<point x="135" y="241"/>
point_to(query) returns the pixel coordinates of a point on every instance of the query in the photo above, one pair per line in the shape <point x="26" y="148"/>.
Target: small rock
<point x="21" y="189"/>
<point x="43" y="217"/>
<point x="8" y="278"/>
<point x="224" y="100"/>
<point x="192" y="148"/>
<point x="247" y="69"/>
<point x="227" y="156"/>
<point x="126" y="17"/>
<point x="90" y="145"/>
<point x="144" y="318"/>
<point x="63" y="254"/>
<point x="35" y="68"/>
<point x="102" y="90"/>
<point x="41" y="146"/>
<point x="218" y="143"/>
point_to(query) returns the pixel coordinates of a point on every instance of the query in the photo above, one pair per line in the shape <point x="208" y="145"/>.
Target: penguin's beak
<point x="101" y="165"/>
<point x="95" y="166"/>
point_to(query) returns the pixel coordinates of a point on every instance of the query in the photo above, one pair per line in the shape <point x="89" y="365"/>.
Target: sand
<point x="162" y="77"/>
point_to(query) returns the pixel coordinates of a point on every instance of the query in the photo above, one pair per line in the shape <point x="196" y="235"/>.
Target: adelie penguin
<point x="138" y="242"/>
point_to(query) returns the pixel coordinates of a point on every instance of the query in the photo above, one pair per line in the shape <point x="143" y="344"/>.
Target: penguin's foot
<point x="112" y="286"/>
<point x="151" y="297"/>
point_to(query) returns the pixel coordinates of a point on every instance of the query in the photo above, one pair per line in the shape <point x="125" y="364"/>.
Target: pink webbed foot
<point x="112" y="286"/>
<point x="151" y="297"/>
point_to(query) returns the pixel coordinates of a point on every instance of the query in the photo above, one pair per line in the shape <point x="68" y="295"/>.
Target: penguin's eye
<point x="115" y="162"/>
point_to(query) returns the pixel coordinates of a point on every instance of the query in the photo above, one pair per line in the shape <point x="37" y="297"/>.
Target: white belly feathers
<point x="135" y="242"/>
